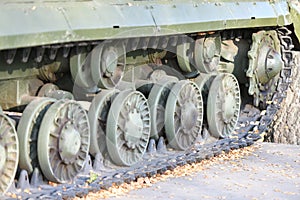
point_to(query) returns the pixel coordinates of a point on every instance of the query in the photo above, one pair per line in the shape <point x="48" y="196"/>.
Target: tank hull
<point x="36" y="23"/>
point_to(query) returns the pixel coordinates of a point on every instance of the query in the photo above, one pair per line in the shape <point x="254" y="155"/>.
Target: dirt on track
<point x="262" y="171"/>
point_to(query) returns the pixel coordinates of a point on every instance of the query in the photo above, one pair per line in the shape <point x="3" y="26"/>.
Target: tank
<point x="101" y="78"/>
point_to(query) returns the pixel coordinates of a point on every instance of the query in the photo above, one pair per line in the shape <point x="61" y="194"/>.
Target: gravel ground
<point x="262" y="171"/>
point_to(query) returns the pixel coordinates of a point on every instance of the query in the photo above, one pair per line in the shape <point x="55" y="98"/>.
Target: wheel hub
<point x="69" y="143"/>
<point x="110" y="61"/>
<point x="189" y="115"/>
<point x="207" y="53"/>
<point x="269" y="64"/>
<point x="2" y="157"/>
<point x="133" y="129"/>
<point x="274" y="63"/>
<point x="209" y="50"/>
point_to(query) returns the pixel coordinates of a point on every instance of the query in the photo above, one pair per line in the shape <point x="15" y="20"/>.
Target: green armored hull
<point x="25" y="24"/>
<point x="102" y="78"/>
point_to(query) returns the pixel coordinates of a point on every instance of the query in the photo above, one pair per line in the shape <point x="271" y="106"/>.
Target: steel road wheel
<point x="183" y="115"/>
<point x="157" y="102"/>
<point x="207" y="53"/>
<point x="108" y="61"/>
<point x="223" y="105"/>
<point x="9" y="148"/>
<point x="81" y="70"/>
<point x="28" y="129"/>
<point x="97" y="114"/>
<point x="63" y="141"/>
<point x="128" y="128"/>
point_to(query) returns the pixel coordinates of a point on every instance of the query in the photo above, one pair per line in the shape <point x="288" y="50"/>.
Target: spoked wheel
<point x="157" y="101"/>
<point x="223" y="105"/>
<point x="9" y="149"/>
<point x="98" y="113"/>
<point x="28" y="130"/>
<point x="128" y="128"/>
<point x="63" y="141"/>
<point x="183" y="115"/>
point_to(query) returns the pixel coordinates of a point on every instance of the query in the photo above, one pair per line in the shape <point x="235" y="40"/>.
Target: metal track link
<point x="283" y="82"/>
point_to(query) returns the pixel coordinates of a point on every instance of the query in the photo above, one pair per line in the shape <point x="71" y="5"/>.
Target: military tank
<point x="82" y="78"/>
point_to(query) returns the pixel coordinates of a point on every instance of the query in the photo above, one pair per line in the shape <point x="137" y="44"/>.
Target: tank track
<point x="252" y="125"/>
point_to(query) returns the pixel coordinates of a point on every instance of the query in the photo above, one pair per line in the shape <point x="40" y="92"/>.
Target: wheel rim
<point x="223" y="105"/>
<point x="28" y="129"/>
<point x="63" y="141"/>
<point x="9" y="148"/>
<point x="157" y="101"/>
<point x="184" y="115"/>
<point x="108" y="64"/>
<point x="98" y="113"/>
<point x="128" y="128"/>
